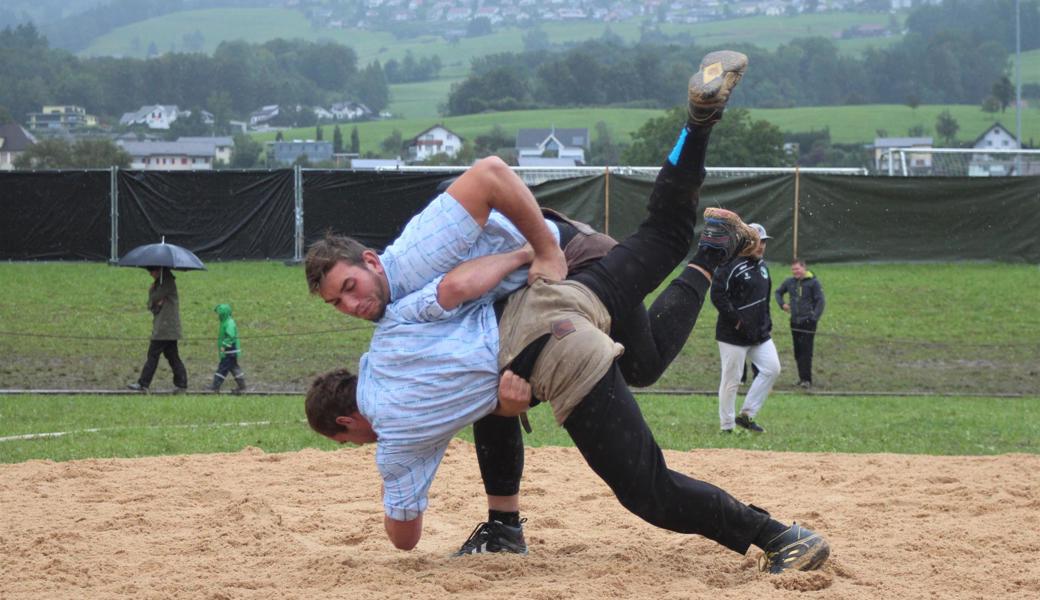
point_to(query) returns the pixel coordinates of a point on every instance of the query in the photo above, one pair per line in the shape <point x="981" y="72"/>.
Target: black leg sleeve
<point x="609" y="430"/>
<point x="500" y="454"/>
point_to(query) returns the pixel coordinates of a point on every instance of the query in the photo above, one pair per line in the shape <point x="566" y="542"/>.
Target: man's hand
<point x="552" y="266"/>
<point x="786" y="307"/>
<point x="514" y="395"/>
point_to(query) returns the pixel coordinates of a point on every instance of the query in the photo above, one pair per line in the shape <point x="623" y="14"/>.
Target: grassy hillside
<point x="848" y="124"/>
<point x="258" y="25"/>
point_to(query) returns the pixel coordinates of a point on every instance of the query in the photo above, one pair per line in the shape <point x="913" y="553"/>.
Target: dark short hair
<point x="331" y="395"/>
<point x="326" y="252"/>
<point x="798" y="261"/>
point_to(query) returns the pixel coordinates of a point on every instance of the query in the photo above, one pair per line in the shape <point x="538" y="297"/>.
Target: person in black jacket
<point x="740" y="292"/>
<point x="806" y="307"/>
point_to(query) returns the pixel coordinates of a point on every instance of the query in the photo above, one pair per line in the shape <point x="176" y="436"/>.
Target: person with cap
<point x="740" y="291"/>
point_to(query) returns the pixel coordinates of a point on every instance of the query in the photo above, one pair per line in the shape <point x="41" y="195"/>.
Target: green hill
<point x="261" y="24"/>
<point x="848" y="124"/>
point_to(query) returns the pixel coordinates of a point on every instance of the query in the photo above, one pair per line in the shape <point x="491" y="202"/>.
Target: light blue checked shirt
<point x="430" y="372"/>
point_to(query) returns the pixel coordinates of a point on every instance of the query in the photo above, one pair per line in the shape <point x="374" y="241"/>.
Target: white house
<point x="435" y="140"/>
<point x="349" y="111"/>
<point x="223" y="146"/>
<point x="155" y="116"/>
<point x="553" y="142"/>
<point x="170" y="156"/>
<point x="997" y="137"/>
<point x="886" y="161"/>
<point x="263" y="115"/>
<point x="14" y="140"/>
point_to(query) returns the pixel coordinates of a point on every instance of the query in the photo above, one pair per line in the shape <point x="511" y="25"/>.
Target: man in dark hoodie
<point x="166" y="330"/>
<point x="805" y="304"/>
<point x="229" y="348"/>
<point x="740" y="292"/>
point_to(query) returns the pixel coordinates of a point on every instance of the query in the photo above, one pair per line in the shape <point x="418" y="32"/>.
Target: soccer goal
<point x="958" y="162"/>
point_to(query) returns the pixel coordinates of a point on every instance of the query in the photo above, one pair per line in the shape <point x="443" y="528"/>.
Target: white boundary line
<point x="55" y="434"/>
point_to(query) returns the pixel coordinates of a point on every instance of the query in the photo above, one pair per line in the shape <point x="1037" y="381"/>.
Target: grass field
<point x="888" y="328"/>
<point x="258" y="25"/>
<point x="134" y="426"/>
<point x="847" y="124"/>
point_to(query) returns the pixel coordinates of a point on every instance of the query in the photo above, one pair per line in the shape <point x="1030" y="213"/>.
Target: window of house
<point x="184" y="161"/>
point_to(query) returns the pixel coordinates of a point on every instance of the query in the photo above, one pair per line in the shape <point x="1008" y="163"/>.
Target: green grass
<point x="859" y="124"/>
<point x="258" y="25"/>
<point x="848" y="124"/>
<point x="135" y="426"/>
<point x="622" y="123"/>
<point x="888" y="328"/>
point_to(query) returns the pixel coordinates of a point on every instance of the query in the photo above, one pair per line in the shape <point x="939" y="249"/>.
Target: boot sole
<point x="720" y="71"/>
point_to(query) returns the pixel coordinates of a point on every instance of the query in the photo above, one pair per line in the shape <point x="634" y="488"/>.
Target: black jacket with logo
<point x="740" y="292"/>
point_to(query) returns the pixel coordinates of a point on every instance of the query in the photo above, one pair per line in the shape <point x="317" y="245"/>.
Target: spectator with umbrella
<point x="164" y="304"/>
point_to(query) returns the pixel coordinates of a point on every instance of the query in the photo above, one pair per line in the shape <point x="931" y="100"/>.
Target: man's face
<point x="760" y="249"/>
<point x="797" y="270"/>
<point x="357" y="290"/>
<point x="358" y="430"/>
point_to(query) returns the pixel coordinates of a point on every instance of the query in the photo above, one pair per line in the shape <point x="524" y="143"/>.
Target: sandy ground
<point x="308" y="525"/>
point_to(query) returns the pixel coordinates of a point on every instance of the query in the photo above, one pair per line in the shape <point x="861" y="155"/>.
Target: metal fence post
<point x="114" y="214"/>
<point x="298" y="212"/>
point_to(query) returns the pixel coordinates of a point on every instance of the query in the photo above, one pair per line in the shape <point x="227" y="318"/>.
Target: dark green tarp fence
<point x="273" y="214"/>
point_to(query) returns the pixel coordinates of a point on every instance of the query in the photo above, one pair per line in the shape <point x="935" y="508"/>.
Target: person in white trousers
<point x="740" y="291"/>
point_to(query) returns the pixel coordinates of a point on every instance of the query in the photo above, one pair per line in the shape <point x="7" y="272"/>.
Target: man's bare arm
<point x="491" y="184"/>
<point x="474" y="278"/>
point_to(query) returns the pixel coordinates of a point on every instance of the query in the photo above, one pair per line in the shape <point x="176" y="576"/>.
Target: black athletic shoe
<point x="748" y="423"/>
<point x="726" y="233"/>
<point x="137" y="387"/>
<point x="493" y="536"/>
<point x="710" y="87"/>
<point x="796" y="548"/>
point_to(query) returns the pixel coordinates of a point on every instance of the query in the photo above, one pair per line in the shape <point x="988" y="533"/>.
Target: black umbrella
<point x="162" y="254"/>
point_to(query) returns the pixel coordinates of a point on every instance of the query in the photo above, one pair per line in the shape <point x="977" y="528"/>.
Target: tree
<point x="278" y="137"/>
<point x="246" y="153"/>
<point x="372" y="89"/>
<point x="736" y="142"/>
<point x="337" y="140"/>
<point x="219" y="103"/>
<point x="479" y="26"/>
<point x="392" y="144"/>
<point x="913" y="101"/>
<point x="946" y="126"/>
<point x="5" y="116"/>
<point x="990" y="104"/>
<point x="319" y="134"/>
<point x="603" y="150"/>
<point x="355" y="141"/>
<point x="56" y="153"/>
<point x="1004" y="92"/>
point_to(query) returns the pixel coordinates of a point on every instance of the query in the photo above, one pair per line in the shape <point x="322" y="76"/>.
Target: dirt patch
<point x="309" y="525"/>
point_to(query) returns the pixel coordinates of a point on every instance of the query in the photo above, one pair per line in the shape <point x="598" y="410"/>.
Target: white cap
<point x="762" y="235"/>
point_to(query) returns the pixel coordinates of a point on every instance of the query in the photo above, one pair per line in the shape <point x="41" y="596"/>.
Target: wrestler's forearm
<point x="474" y="278"/>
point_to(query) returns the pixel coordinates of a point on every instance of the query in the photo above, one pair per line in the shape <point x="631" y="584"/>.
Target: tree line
<point x="952" y="53"/>
<point x="235" y="80"/>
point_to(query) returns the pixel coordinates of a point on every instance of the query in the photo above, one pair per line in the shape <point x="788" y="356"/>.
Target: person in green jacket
<point x="227" y="345"/>
<point x="166" y="330"/>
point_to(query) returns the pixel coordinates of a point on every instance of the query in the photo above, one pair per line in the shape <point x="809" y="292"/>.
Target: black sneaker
<point x="494" y="536"/>
<point x="137" y="387"/>
<point x="748" y="423"/>
<point x="725" y="232"/>
<point x="710" y="87"/>
<point x="796" y="548"/>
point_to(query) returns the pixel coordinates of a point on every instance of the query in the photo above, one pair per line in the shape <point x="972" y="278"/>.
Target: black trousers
<point x="803" y="348"/>
<point x="608" y="427"/>
<point x="167" y="348"/>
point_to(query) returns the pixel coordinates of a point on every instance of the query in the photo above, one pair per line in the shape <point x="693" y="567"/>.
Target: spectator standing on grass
<point x="229" y="349"/>
<point x="166" y="330"/>
<point x="805" y="304"/>
<point x="740" y="292"/>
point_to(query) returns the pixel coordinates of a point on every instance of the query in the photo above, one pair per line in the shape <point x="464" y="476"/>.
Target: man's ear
<point x="372" y="260"/>
<point x="344" y="421"/>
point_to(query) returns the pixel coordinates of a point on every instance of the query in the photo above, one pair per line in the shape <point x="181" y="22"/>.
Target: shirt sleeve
<point x="407" y="475"/>
<point x="421" y="306"/>
<point x="431" y="244"/>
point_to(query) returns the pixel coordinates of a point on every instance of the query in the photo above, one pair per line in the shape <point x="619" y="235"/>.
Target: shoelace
<point x="480" y="531"/>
